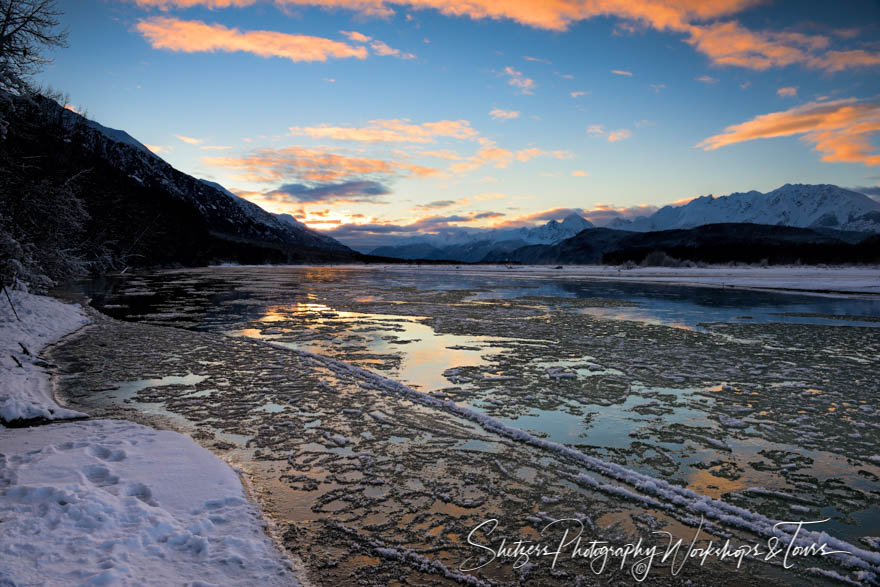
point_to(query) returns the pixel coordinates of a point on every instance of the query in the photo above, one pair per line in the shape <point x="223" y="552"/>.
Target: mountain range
<point x="822" y="207"/>
<point x="76" y="197"/>
<point x="804" y="206"/>
<point x="474" y="246"/>
<point x="709" y="243"/>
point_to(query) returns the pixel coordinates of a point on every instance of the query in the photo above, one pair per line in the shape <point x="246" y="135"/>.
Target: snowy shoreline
<point x="95" y="502"/>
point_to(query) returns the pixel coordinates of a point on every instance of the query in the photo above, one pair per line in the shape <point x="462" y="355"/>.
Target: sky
<point x="373" y="119"/>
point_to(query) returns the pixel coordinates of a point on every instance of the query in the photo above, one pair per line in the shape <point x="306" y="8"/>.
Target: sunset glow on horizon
<point x="369" y="118"/>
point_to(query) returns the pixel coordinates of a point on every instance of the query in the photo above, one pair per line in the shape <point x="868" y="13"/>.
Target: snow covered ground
<point x="25" y="391"/>
<point x="103" y="502"/>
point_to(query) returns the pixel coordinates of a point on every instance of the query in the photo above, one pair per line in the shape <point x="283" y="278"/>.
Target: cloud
<point x="196" y="36"/>
<point x="484" y="215"/>
<point x="622" y="72"/>
<point x="788" y="92"/>
<point x="577" y="94"/>
<point x="657" y="87"/>
<point x="438" y="204"/>
<point x="729" y="43"/>
<point x="370" y="234"/>
<point x="491" y="154"/>
<point x="841" y="129"/>
<point x="707" y="79"/>
<point x="157" y="148"/>
<point x="538" y="60"/>
<point x="872" y="191"/>
<point x="313" y="165"/>
<point x="526" y="154"/>
<point x="399" y="130"/>
<point x="190" y="140"/>
<point x="526" y="85"/>
<point x="662" y="14"/>
<point x="499" y="114"/>
<point x="613" y="136"/>
<point x="382" y="49"/>
<point x="215" y="147"/>
<point x="351" y="191"/>
<point x="600" y="214"/>
<point x="355" y="36"/>
<point x="447" y="154"/>
<point x="725" y="42"/>
<point x="833" y="61"/>
<point x="579" y="173"/>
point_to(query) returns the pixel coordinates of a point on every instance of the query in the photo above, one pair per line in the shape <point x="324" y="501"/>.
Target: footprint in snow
<point x="100" y="475"/>
<point x="105" y="454"/>
<point x="142" y="492"/>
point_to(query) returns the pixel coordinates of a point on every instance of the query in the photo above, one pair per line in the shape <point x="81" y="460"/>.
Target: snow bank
<point x="25" y="391"/>
<point x="106" y="501"/>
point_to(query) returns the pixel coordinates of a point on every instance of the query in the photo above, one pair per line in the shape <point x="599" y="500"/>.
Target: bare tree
<point x="27" y="29"/>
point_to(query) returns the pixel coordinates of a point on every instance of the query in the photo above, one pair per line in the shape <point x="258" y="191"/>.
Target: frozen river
<point x="526" y="399"/>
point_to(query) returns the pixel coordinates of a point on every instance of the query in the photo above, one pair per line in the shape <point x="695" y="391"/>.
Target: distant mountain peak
<point x="797" y="205"/>
<point x="477" y="243"/>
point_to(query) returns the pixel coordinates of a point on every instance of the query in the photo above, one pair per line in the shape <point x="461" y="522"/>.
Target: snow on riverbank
<point x="110" y="501"/>
<point x="25" y="391"/>
<point x="103" y="502"/>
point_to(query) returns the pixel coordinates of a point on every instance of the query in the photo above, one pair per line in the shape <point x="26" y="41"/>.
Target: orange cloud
<point x="788" y="92"/>
<point x="355" y="36"/>
<point x="839" y="60"/>
<point x="841" y="129"/>
<point x="196" y="36"/>
<point x="190" y="140"/>
<point x="725" y="43"/>
<point x="729" y="43"/>
<point x="398" y="130"/>
<point x="499" y="157"/>
<point x="613" y="136"/>
<point x="499" y="114"/>
<point x="447" y="154"/>
<point x="556" y="15"/>
<point x="622" y="72"/>
<point x="382" y="49"/>
<point x="516" y="79"/>
<point x="312" y="165"/>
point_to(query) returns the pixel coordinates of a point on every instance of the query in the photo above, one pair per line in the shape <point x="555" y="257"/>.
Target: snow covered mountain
<point x="225" y="214"/>
<point x="105" y="202"/>
<point x="799" y="205"/>
<point x="474" y="245"/>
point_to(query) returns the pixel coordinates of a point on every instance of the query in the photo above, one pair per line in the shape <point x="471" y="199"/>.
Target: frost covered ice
<point x="102" y="502"/>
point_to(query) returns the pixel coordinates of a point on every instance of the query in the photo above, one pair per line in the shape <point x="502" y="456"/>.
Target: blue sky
<point x="430" y="114"/>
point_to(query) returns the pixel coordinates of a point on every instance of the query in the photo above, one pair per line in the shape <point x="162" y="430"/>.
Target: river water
<point x="749" y="399"/>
